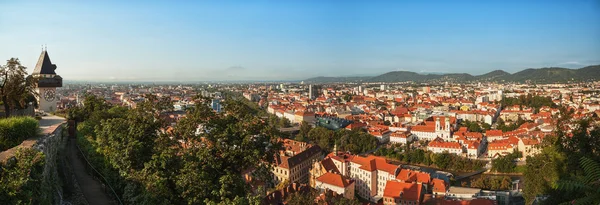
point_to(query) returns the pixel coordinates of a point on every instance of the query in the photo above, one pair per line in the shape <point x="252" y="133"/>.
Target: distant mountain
<point x="401" y="76"/>
<point x="538" y="75"/>
<point x="323" y="79"/>
<point x="555" y="74"/>
<point x="494" y="75"/>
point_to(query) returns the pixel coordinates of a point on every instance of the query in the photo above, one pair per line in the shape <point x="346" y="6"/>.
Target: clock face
<point x="49" y="95"/>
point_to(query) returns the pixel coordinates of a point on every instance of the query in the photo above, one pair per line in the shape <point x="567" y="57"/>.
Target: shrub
<point x="15" y="130"/>
<point x="20" y="178"/>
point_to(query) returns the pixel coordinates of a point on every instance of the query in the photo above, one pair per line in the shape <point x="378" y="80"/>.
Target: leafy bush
<point x="506" y="163"/>
<point x="20" y="178"/>
<point x="15" y="130"/>
<point x="444" y="161"/>
<point x="492" y="182"/>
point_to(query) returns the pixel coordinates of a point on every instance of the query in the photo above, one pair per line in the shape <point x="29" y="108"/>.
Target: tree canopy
<point x="15" y="91"/>
<point x="559" y="160"/>
<point x="200" y="160"/>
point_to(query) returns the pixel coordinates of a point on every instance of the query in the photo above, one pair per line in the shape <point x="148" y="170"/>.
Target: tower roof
<point x="44" y="65"/>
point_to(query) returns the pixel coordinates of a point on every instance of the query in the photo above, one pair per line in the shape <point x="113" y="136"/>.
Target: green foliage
<point x="511" y="126"/>
<point x="492" y="182"/>
<point x="301" y="199"/>
<point x="15" y="90"/>
<point x="506" y="163"/>
<point x="476" y="126"/>
<point x="347" y="97"/>
<point x="542" y="170"/>
<point x="20" y="179"/>
<point x="305" y="128"/>
<point x="444" y="161"/>
<point x="354" y="141"/>
<point x="15" y="130"/>
<point x="528" y="100"/>
<point x="284" y="122"/>
<point x="148" y="165"/>
<point x="559" y="159"/>
<point x="587" y="186"/>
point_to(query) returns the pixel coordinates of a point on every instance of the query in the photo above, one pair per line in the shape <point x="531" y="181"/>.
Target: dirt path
<point x="92" y="189"/>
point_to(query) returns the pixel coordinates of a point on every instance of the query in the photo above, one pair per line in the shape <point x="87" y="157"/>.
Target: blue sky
<point x="294" y="40"/>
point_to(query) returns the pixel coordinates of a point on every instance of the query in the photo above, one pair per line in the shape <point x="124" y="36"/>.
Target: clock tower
<point x="46" y="81"/>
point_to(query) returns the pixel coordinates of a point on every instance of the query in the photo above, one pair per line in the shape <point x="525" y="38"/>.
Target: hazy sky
<point x="283" y="40"/>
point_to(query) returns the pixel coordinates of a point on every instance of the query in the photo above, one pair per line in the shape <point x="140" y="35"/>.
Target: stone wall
<point x="52" y="145"/>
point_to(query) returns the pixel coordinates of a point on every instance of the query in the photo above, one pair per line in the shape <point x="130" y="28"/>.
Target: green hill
<point x="534" y="75"/>
<point x="494" y="75"/>
<point x="323" y="79"/>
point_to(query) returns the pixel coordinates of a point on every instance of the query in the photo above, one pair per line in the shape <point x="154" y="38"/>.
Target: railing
<point x="98" y="173"/>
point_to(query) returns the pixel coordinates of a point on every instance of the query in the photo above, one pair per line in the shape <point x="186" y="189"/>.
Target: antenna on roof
<point x="46" y="47"/>
<point x="42" y="47"/>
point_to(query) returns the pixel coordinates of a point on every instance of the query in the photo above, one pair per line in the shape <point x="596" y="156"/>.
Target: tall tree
<point x="588" y="186"/>
<point x="14" y="89"/>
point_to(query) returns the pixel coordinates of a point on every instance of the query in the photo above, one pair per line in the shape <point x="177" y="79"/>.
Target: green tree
<point x="303" y="132"/>
<point x="284" y="122"/>
<point x="298" y="198"/>
<point x="542" y="170"/>
<point x="587" y="187"/>
<point x="443" y="160"/>
<point x="150" y="164"/>
<point x="506" y="163"/>
<point x="14" y="88"/>
<point x="347" y="97"/>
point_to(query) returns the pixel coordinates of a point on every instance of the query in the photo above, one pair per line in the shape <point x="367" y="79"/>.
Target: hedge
<point x="15" y="130"/>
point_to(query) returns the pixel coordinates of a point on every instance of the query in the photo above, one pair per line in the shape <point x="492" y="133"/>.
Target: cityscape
<point x="302" y="118"/>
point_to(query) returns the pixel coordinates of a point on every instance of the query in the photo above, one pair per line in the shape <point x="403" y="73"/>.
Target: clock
<point x="49" y="95"/>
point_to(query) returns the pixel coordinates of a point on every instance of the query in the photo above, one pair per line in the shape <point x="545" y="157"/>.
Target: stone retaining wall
<point x="52" y="145"/>
<point x="51" y="142"/>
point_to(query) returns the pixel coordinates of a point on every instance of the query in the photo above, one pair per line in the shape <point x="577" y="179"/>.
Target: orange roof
<point x="499" y="146"/>
<point x="472" y="144"/>
<point x="408" y="175"/>
<point x="335" y="180"/>
<point x="372" y="163"/>
<point x="399" y="134"/>
<point x="441" y="144"/>
<point x="493" y="133"/>
<point x="356" y="125"/>
<point x="403" y="190"/>
<point x="528" y="125"/>
<point x="439" y="185"/>
<point x="528" y="141"/>
<point x="423" y="128"/>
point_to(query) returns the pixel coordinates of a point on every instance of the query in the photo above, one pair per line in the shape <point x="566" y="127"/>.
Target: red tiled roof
<point x="499" y="146"/>
<point x="441" y="144"/>
<point x="403" y="190"/>
<point x="493" y="133"/>
<point x="408" y="175"/>
<point x="372" y="163"/>
<point x="439" y="185"/>
<point x="335" y="180"/>
<point x="329" y="165"/>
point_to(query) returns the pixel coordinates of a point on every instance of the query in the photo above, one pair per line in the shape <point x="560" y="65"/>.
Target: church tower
<point x="46" y="81"/>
